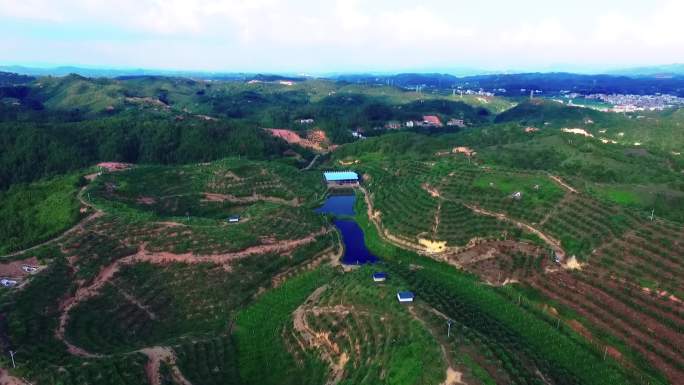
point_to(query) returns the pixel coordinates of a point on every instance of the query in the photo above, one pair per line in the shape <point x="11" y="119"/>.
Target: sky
<point x="320" y="36"/>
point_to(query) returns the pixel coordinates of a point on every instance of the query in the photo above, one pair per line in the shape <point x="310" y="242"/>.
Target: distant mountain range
<point x="642" y="80"/>
<point x="656" y="71"/>
<point x="445" y="74"/>
<point x="113" y="73"/>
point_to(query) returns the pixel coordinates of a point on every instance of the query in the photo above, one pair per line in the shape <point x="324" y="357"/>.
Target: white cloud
<point x="550" y="32"/>
<point x="355" y="32"/>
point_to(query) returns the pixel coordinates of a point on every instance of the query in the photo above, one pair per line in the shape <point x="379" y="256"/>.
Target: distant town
<point x="599" y="101"/>
<point x="632" y="103"/>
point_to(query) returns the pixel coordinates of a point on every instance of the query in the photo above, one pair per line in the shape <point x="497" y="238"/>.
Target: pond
<point x="338" y="205"/>
<point x="355" y="250"/>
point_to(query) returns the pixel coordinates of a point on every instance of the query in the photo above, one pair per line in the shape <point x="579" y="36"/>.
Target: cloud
<point x="549" y="32"/>
<point x="381" y="33"/>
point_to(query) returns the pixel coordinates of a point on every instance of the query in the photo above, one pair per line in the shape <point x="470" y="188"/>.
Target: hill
<point x="177" y="238"/>
<point x="11" y="78"/>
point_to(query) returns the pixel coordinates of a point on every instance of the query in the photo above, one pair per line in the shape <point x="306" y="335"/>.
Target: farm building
<point x="405" y="296"/>
<point x="393" y="125"/>
<point x="341" y="178"/>
<point x="234" y="219"/>
<point x="432" y="120"/>
<point x="456" y="123"/>
<point x="379" y="277"/>
<point x="7" y="282"/>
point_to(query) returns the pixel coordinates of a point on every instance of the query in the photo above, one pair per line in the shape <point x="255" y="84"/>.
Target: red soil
<point x="657" y="342"/>
<point x="315" y="139"/>
<point x="105" y="275"/>
<point x="13" y="269"/>
<point x="114" y="166"/>
<point x="146" y="200"/>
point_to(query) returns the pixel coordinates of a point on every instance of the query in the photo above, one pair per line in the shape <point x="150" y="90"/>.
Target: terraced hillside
<point x="135" y="282"/>
<point x="571" y="252"/>
<point x="538" y="252"/>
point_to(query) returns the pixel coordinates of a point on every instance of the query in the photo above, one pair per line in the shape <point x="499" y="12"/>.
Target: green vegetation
<point x="400" y="351"/>
<point x="36" y="212"/>
<point x="148" y="305"/>
<point x="620" y="196"/>
<point x="521" y="340"/>
<point x="161" y="270"/>
<point x="262" y="330"/>
<point x="209" y="362"/>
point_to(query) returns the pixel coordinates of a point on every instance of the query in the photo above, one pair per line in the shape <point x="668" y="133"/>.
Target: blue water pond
<point x="338" y="205"/>
<point x="355" y="250"/>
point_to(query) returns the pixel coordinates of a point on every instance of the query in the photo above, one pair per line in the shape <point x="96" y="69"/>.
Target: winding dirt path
<point x="105" y="275"/>
<point x="215" y="197"/>
<point x="155" y="356"/>
<point x="549" y="240"/>
<point x="308" y="166"/>
<point x="374" y="217"/>
<point x="330" y="351"/>
<point x="566" y="186"/>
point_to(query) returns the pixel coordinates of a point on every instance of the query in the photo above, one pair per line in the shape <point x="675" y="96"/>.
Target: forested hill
<point x="51" y="125"/>
<point x="10" y="78"/>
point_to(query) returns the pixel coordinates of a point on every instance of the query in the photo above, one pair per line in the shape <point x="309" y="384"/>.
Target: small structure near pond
<point x="405" y="296"/>
<point x="341" y="178"/>
<point x="234" y="219"/>
<point x="379" y="277"/>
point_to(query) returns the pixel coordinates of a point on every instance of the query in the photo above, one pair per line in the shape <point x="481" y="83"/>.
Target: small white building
<point x="405" y="296"/>
<point x="29" y="269"/>
<point x="234" y="219"/>
<point x="7" y="282"/>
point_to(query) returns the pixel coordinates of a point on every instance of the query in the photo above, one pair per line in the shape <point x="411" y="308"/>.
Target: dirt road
<point x="563" y="184"/>
<point x="155" y="356"/>
<point x="105" y="275"/>
<point x="552" y="242"/>
<point x="320" y="341"/>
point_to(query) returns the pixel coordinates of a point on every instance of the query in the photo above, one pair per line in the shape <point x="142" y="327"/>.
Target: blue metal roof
<point x="333" y="176"/>
<point x="405" y="294"/>
<point x="380" y="275"/>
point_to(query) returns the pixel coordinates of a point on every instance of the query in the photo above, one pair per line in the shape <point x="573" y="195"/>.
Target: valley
<point x="187" y="235"/>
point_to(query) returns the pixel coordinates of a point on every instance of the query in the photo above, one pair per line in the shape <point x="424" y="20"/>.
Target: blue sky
<point x="309" y="36"/>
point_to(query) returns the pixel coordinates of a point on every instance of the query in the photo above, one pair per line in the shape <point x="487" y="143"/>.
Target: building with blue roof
<point x="405" y="296"/>
<point x="341" y="178"/>
<point x="379" y="277"/>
